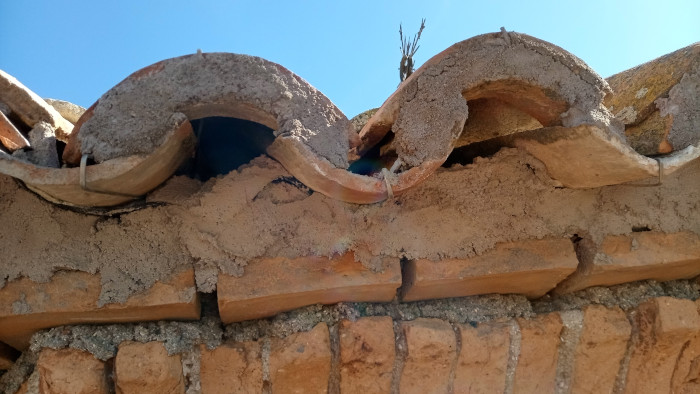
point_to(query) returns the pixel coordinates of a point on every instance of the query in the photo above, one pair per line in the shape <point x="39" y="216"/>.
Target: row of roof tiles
<point x="505" y="87"/>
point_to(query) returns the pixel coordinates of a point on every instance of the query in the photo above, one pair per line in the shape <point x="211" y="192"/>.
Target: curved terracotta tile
<point x="113" y="182"/>
<point x="536" y="77"/>
<point x="129" y="118"/>
<point x="649" y="98"/>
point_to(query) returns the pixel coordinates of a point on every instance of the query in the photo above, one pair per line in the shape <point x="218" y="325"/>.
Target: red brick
<point x="539" y="352"/>
<point x="71" y="297"/>
<point x="686" y="377"/>
<point x="663" y="327"/>
<point x="633" y="257"/>
<point x="234" y="368"/>
<point x="483" y="361"/>
<point x="431" y="349"/>
<point x="71" y="371"/>
<point x="10" y="137"/>
<point x="273" y="285"/>
<point x="531" y="267"/>
<point x="146" y="368"/>
<point x="600" y="350"/>
<point x="301" y="362"/>
<point x="367" y="353"/>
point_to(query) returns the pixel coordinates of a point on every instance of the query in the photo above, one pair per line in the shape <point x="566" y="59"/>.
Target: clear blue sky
<point x="77" y="50"/>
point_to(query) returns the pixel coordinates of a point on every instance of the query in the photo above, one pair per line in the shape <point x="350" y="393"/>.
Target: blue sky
<point x="77" y="50"/>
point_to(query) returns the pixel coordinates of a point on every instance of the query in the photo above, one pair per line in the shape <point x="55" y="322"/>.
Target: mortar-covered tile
<point x="146" y="368"/>
<point x="367" y="353"/>
<point x="632" y="257"/>
<point x="71" y="297"/>
<point x="272" y="285"/>
<point x="431" y="348"/>
<point x="663" y="327"/>
<point x="234" y="368"/>
<point x="301" y="362"/>
<point x="600" y="349"/>
<point x="31" y="108"/>
<point x="10" y="137"/>
<point x="539" y="352"/>
<point x="636" y="94"/>
<point x="71" y="371"/>
<point x="483" y="361"/>
<point x="531" y="267"/>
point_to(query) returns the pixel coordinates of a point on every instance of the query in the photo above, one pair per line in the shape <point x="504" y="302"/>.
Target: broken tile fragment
<point x="10" y="137"/>
<point x="31" y="108"/>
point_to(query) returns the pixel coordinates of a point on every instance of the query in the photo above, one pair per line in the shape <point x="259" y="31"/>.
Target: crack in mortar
<point x="191" y="370"/>
<point x="334" y="378"/>
<point x="514" y="354"/>
<point x="573" y="325"/>
<point x="265" y="355"/>
<point x="621" y="377"/>
<point x="458" y="352"/>
<point x="401" y="347"/>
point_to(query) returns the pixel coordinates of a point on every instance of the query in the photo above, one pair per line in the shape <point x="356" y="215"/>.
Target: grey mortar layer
<point x="131" y="118"/>
<point x="433" y="111"/>
<point x="180" y="337"/>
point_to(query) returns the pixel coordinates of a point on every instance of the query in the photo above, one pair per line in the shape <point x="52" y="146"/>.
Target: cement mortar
<point x="131" y="118"/>
<point x="182" y="337"/>
<point x="261" y="211"/>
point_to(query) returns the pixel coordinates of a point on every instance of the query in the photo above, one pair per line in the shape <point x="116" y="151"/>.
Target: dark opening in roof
<point x="224" y="144"/>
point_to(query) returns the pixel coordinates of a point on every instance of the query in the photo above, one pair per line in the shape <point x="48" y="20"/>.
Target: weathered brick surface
<point x="10" y="137"/>
<point x="531" y="267"/>
<point x="600" y="349"/>
<point x="686" y="377"/>
<point x="234" y="368"/>
<point x="663" y="327"/>
<point x="274" y="285"/>
<point x="72" y="297"/>
<point x="367" y="353"/>
<point x="636" y="256"/>
<point x="146" y="368"/>
<point x="483" y="361"/>
<point x="301" y="362"/>
<point x="431" y="348"/>
<point x="71" y="371"/>
<point x="539" y="352"/>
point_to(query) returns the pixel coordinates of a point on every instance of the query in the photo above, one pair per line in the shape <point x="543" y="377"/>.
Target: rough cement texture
<point x="131" y="118"/>
<point x="260" y="211"/>
<point x="42" y="138"/>
<point x="430" y="110"/>
<point x="131" y="252"/>
<point x="683" y="104"/>
<point x="182" y="337"/>
<point x="70" y="112"/>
